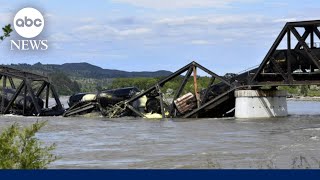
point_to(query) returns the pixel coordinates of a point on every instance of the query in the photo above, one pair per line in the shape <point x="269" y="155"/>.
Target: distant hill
<point x="86" y="70"/>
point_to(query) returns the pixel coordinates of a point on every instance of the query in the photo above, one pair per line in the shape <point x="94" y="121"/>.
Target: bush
<point x="20" y="149"/>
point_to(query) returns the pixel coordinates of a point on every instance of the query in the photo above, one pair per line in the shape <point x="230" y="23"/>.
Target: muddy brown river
<point x="97" y="142"/>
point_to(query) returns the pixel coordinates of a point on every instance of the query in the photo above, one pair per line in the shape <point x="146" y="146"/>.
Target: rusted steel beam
<point x="195" y="85"/>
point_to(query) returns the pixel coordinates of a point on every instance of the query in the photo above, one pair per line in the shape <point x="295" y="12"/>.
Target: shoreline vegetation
<point x="303" y="98"/>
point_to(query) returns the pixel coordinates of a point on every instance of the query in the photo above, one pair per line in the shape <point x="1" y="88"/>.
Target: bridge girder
<point x="293" y="65"/>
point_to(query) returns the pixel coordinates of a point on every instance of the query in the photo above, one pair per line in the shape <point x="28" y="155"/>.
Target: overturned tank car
<point x="83" y="103"/>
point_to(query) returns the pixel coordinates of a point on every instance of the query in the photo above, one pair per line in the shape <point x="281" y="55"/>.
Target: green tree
<point x="304" y="90"/>
<point x="20" y="149"/>
<point x="6" y="32"/>
<point x="64" y="84"/>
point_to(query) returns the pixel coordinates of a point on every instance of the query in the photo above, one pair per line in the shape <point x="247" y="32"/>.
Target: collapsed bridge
<point x="298" y="63"/>
<point x="23" y="94"/>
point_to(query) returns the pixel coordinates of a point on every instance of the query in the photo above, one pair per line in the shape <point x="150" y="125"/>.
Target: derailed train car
<point x="82" y="103"/>
<point x="216" y="99"/>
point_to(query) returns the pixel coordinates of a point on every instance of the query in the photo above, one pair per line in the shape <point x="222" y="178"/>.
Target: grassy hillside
<point x="70" y="78"/>
<point x="86" y="70"/>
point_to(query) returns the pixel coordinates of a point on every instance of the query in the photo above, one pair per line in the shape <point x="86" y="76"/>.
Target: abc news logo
<point x="29" y="23"/>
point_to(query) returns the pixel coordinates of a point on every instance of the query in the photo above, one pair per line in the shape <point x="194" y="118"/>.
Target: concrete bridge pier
<point x="260" y="103"/>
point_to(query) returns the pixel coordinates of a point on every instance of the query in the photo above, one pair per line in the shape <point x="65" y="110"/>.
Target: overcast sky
<point x="139" y="35"/>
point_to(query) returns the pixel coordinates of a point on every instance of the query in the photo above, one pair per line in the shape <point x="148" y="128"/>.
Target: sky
<point x="149" y="35"/>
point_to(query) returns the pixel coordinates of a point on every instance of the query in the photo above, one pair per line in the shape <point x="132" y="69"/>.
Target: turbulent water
<point x="97" y="142"/>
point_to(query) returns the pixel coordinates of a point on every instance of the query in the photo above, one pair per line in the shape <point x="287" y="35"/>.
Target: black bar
<point x="33" y="97"/>
<point x="11" y="83"/>
<point x="25" y="99"/>
<point x="14" y="97"/>
<point x="304" y="23"/>
<point x="311" y="39"/>
<point x="161" y="101"/>
<point x="317" y="32"/>
<point x="304" y="37"/>
<point x="47" y="95"/>
<point x="55" y="96"/>
<point x="181" y="87"/>
<point x="135" y="111"/>
<point x="289" y="57"/>
<point x="205" y="96"/>
<point x="77" y="110"/>
<point x="4" y="94"/>
<point x="40" y="90"/>
<point x="22" y="74"/>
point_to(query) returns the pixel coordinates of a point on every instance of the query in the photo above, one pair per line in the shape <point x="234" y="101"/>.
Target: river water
<point x="97" y="142"/>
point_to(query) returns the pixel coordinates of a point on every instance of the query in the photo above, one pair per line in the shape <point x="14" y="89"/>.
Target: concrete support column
<point x="260" y="103"/>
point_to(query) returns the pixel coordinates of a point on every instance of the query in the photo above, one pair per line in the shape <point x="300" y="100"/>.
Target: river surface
<point x="97" y="142"/>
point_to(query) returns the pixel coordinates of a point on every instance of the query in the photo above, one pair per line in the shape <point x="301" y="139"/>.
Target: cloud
<point x="60" y="37"/>
<point x="214" y="19"/>
<point x="201" y="42"/>
<point x="110" y="31"/>
<point x="131" y="32"/>
<point x="284" y="20"/>
<point x="197" y="29"/>
<point x="182" y="4"/>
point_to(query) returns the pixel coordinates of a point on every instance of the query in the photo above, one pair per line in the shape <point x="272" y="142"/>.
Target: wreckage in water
<point x="151" y="103"/>
<point x="27" y="94"/>
<point x="83" y="103"/>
